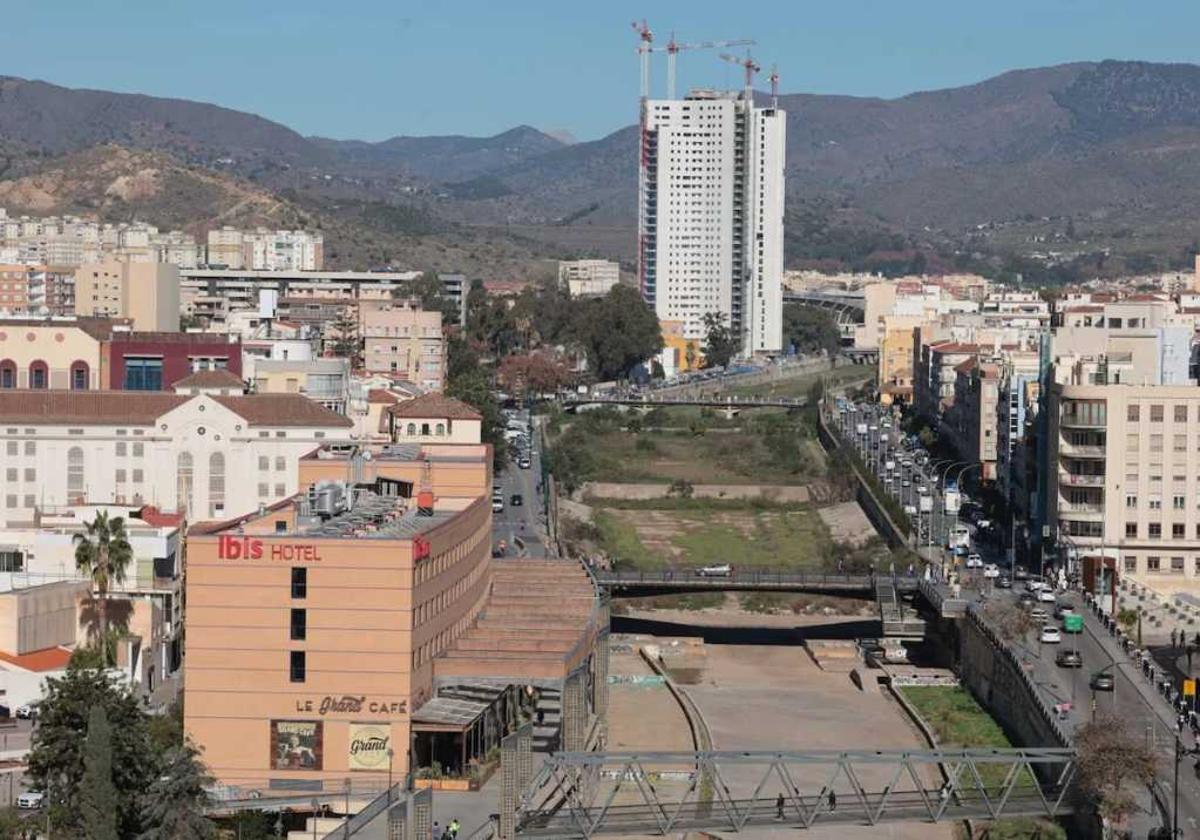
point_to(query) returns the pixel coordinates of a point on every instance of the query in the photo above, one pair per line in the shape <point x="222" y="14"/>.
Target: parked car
<point x="497" y="505"/>
<point x="1046" y="596"/>
<point x="1050" y="635"/>
<point x="516" y="500"/>
<point x="974" y="561"/>
<point x="1039" y="615"/>
<point x="991" y="570"/>
<point x="1102" y="681"/>
<point x="718" y="570"/>
<point x="31" y="799"/>
<point x="1019" y="573"/>
<point x="523" y="462"/>
<point x="1069" y="659"/>
<point x="1027" y="598"/>
<point x="1004" y="582"/>
<point x="1061" y="609"/>
<point x="27" y="711"/>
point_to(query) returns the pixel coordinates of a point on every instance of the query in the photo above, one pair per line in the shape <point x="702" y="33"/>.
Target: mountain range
<point x="1094" y="160"/>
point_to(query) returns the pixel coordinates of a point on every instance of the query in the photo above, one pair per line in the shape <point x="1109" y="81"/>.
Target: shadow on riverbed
<point x="867" y="628"/>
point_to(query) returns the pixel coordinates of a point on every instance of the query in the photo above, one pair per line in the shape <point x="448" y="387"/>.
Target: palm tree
<point x="103" y="554"/>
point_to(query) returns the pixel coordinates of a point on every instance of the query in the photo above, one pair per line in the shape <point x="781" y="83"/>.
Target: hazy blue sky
<point x="371" y="69"/>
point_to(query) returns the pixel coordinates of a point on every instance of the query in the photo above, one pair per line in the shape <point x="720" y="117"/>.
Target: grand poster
<point x="369" y="743"/>
<point x="297" y="744"/>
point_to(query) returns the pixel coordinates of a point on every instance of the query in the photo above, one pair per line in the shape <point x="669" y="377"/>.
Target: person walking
<point x="454" y="828"/>
<point x="541" y="716"/>
<point x="779" y="807"/>
<point x="832" y="802"/>
<point x="436" y="834"/>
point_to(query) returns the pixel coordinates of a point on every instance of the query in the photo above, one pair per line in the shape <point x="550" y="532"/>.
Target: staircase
<point x="531" y="627"/>
<point x="897" y="619"/>
<point x="547" y="734"/>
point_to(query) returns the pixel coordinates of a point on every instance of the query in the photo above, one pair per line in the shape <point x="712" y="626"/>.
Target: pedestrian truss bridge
<point x="585" y="794"/>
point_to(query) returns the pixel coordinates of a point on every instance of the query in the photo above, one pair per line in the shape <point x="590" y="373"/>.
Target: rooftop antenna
<point x="774" y="77"/>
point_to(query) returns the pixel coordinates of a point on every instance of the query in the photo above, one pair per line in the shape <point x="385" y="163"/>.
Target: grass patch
<point x="685" y="601"/>
<point x="621" y="542"/>
<point x="704" y="505"/>
<point x="957" y="720"/>
<point x="776" y="603"/>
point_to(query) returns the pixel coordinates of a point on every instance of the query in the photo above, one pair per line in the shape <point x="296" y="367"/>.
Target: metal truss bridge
<point x="655" y="399"/>
<point x="632" y="583"/>
<point x="584" y="794"/>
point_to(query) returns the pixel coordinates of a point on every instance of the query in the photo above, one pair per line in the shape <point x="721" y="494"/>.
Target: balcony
<point x="1080" y="421"/>
<point x="1080" y="450"/>
<point x="1071" y="479"/>
<point x="1080" y="512"/>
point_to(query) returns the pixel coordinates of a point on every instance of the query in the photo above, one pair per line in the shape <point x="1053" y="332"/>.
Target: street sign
<point x="1189" y="688"/>
<point x="1073" y="623"/>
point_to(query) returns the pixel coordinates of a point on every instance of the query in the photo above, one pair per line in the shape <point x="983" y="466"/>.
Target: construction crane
<point x="673" y="48"/>
<point x="750" y="66"/>
<point x="774" y="77"/>
<point x="645" y="39"/>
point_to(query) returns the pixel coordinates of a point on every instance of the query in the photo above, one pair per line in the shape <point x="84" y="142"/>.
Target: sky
<point x="373" y="69"/>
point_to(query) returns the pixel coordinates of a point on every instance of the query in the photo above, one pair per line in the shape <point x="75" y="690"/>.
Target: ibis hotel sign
<point x="248" y="548"/>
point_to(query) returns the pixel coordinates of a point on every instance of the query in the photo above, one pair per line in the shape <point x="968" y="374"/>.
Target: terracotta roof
<point x="1143" y="298"/>
<point x="46" y="659"/>
<point x="955" y="347"/>
<point x="155" y="517"/>
<point x="282" y="410"/>
<point x="94" y="408"/>
<point x="98" y="328"/>
<point x="382" y="395"/>
<point x="434" y="405"/>
<point x="219" y="378"/>
<point x="965" y="366"/>
<point x="143" y="408"/>
<point x="174" y="338"/>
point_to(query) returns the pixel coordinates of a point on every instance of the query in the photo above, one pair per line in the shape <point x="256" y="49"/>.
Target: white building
<point x="710" y="215"/>
<point x="207" y="455"/>
<point x="588" y="278"/>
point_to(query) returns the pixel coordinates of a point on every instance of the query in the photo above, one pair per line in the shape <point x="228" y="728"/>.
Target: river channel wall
<point x="872" y="506"/>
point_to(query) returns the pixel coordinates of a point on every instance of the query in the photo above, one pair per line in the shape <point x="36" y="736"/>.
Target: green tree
<point x="103" y="553"/>
<point x="173" y="808"/>
<point x="810" y="329"/>
<point x="720" y="344"/>
<point x="570" y="460"/>
<point x="345" y="339"/>
<point x="428" y="290"/>
<point x="56" y="760"/>
<point x="97" y="802"/>
<point x="475" y="390"/>
<point x="617" y="332"/>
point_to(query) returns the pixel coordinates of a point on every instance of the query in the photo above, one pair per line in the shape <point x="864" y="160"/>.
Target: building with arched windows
<point x="432" y="418"/>
<point x="173" y="451"/>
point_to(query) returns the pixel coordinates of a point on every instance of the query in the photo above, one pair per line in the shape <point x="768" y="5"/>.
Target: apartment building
<point x="203" y="455"/>
<point x="146" y="293"/>
<point x="432" y="418"/>
<point x="402" y="340"/>
<point x="710" y="215"/>
<point x="325" y="381"/>
<point x="36" y="290"/>
<point x="588" y="278"/>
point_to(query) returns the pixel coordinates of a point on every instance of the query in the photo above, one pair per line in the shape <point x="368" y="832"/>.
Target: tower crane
<point x="645" y="39"/>
<point x="750" y="66"/>
<point x="673" y="48"/>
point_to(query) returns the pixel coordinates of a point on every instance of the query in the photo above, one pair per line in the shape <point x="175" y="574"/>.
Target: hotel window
<point x="264" y="489"/>
<point x="30" y="447"/>
<point x="137" y="476"/>
<point x="1131" y="413"/>
<point x="12" y="447"/>
<point x="299" y="582"/>
<point x="299" y="625"/>
<point x="1178" y="531"/>
<point x="1177" y="565"/>
<point x="10" y="475"/>
<point x="1156" y="443"/>
<point x="1155" y="503"/>
<point x="297" y="665"/>
<point x="122" y="449"/>
<point x="280" y="463"/>
<point x="1177" y="502"/>
<point x="1131" y="529"/>
<point x="1131" y="565"/>
<point x="1180" y="443"/>
<point x="139" y="449"/>
<point x="120" y="476"/>
<point x="1153" y="564"/>
<point x="1156" y="530"/>
<point x="264" y="462"/>
<point x="1181" y="414"/>
<point x="280" y="490"/>
<point x="1156" y="413"/>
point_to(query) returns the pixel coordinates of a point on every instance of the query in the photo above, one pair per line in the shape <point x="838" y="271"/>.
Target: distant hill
<point x="1069" y="161"/>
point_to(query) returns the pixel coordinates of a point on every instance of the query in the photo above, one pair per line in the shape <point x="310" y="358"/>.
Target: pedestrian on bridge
<point x="832" y="802"/>
<point x="779" y="807"/>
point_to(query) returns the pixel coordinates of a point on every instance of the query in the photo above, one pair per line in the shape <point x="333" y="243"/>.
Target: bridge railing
<point x="758" y="576"/>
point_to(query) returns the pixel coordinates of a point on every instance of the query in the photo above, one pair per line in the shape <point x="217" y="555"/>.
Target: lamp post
<point x="389" y="789"/>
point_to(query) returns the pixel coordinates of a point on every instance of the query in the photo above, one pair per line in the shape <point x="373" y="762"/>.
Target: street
<point x="521" y="525"/>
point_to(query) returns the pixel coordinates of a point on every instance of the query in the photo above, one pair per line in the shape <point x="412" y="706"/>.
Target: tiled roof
<point x="143" y="408"/>
<point x="94" y="408"/>
<point x="282" y="410"/>
<point x="98" y="328"/>
<point x="173" y="338"/>
<point x="381" y="395"/>
<point x="435" y="406"/>
<point x="220" y="378"/>
<point x="46" y="659"/>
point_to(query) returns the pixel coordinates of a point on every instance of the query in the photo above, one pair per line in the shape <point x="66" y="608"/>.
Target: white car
<point x="497" y="506"/>
<point x="974" y="561"/>
<point x="1046" y="596"/>
<point x="720" y="570"/>
<point x="991" y="570"/>
<point x="27" y="711"/>
<point x="1050" y="635"/>
<point x="31" y="799"/>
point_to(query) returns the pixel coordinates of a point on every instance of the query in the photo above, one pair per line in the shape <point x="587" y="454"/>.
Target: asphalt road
<point x="521" y="525"/>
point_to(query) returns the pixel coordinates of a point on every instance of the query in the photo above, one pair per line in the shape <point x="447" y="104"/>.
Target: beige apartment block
<point x="588" y="278"/>
<point x="147" y="293"/>
<point x="402" y="340"/>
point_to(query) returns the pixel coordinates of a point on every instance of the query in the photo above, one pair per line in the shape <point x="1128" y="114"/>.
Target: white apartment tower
<point x="710" y="214"/>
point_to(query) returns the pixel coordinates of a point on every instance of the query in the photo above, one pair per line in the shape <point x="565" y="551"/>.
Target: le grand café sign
<point x="352" y="704"/>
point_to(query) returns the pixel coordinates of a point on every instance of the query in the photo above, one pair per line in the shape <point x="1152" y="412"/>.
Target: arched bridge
<point x="584" y="794"/>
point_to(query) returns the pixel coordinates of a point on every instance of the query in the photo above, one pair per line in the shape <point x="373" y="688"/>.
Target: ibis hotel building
<point x="312" y="625"/>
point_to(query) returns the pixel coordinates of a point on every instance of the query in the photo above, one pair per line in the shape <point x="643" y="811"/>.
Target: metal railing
<point x="377" y="806"/>
<point x="766" y="578"/>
